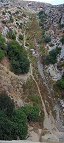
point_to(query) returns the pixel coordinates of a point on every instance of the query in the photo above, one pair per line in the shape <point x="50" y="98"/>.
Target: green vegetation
<point x="20" y="37"/>
<point x="60" y="83"/>
<point x="3" y="13"/>
<point x="59" y="88"/>
<point x="2" y="47"/>
<point x="6" y="104"/>
<point x="11" y="35"/>
<point x="18" y="57"/>
<point x="20" y="25"/>
<point x="17" y="54"/>
<point x="62" y="40"/>
<point x="13" y="122"/>
<point x="35" y="99"/>
<point x="2" y="54"/>
<point x="20" y="120"/>
<point x="8" y="130"/>
<point x="2" y="42"/>
<point x="32" y="112"/>
<point x="47" y="39"/>
<point x="42" y="17"/>
<point x="9" y="12"/>
<point x="52" y="57"/>
<point x="11" y="19"/>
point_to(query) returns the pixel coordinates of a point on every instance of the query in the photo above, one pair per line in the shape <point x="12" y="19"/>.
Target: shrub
<point x="42" y="17"/>
<point x="47" y="39"/>
<point x="60" y="83"/>
<point x="2" y="54"/>
<point x="18" y="56"/>
<point x="20" y="37"/>
<point x="20" y="25"/>
<point x="62" y="40"/>
<point x="8" y="129"/>
<point x="35" y="98"/>
<point x="20" y="119"/>
<point x="11" y="19"/>
<point x="52" y="57"/>
<point x="3" y="13"/>
<point x="2" y="42"/>
<point x="32" y="112"/>
<point x="11" y="127"/>
<point x="11" y="35"/>
<point x="6" y="104"/>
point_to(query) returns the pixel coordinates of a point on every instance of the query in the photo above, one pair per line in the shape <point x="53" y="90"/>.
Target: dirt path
<point x="48" y="120"/>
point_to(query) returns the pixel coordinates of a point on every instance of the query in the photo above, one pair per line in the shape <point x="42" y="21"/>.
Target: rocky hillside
<point x="31" y="63"/>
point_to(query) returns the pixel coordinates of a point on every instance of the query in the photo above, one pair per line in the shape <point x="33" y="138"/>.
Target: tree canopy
<point x="18" y="57"/>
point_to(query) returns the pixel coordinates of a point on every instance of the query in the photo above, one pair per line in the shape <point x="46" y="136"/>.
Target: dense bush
<point x="62" y="40"/>
<point x="47" y="39"/>
<point x="13" y="122"/>
<point x="52" y="57"/>
<point x="2" y="47"/>
<point x="6" y="104"/>
<point x="11" y="19"/>
<point x="2" y="42"/>
<point x="42" y="17"/>
<point x="20" y="37"/>
<point x="20" y="119"/>
<point x="18" y="58"/>
<point x="60" y="83"/>
<point x="2" y="54"/>
<point x="32" y="112"/>
<point x="15" y="126"/>
<point x="11" y="35"/>
<point x="8" y="129"/>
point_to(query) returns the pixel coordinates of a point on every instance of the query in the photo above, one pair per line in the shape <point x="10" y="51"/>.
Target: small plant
<point x="20" y="37"/>
<point x="60" y="83"/>
<point x="11" y="35"/>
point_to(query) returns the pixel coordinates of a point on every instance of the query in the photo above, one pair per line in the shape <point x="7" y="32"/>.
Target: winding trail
<point x="49" y="122"/>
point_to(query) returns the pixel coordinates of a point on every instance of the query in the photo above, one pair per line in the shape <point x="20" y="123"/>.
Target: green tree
<point x="18" y="56"/>
<point x="8" y="129"/>
<point x="60" y="83"/>
<point x="62" y="40"/>
<point x="47" y="39"/>
<point x="32" y="112"/>
<point x="2" y="54"/>
<point x="11" y="35"/>
<point x="14" y="126"/>
<point x="6" y="104"/>
<point x="52" y="57"/>
<point x="20" y="119"/>
<point x="2" y="42"/>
